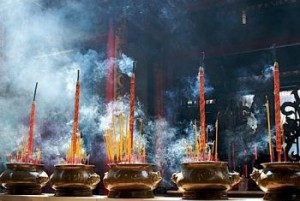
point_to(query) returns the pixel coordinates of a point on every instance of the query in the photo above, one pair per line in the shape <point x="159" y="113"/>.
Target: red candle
<point x="31" y="127"/>
<point x="277" y="110"/>
<point x="75" y="121"/>
<point x="202" y="110"/>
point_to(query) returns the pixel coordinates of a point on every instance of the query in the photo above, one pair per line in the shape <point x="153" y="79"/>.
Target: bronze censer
<point x="25" y="174"/>
<point x="279" y="180"/>
<point x="74" y="180"/>
<point x="23" y="179"/>
<point x="207" y="180"/>
<point x="130" y="180"/>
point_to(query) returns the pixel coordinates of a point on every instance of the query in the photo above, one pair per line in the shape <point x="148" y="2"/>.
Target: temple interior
<point x="139" y="65"/>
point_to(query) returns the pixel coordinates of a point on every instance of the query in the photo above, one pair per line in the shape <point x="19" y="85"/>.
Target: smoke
<point x="263" y="76"/>
<point x="191" y="88"/>
<point x="42" y="44"/>
<point x="126" y="65"/>
<point x="178" y="24"/>
<point x="119" y="107"/>
<point x="166" y="148"/>
<point x="252" y="126"/>
<point x="267" y="72"/>
<point x="169" y="18"/>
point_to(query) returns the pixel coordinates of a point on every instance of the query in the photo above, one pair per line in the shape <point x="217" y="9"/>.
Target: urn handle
<point x="41" y="179"/>
<point x="255" y="174"/>
<point x="93" y="179"/>
<point x="105" y="177"/>
<point x="155" y="177"/>
<point x="174" y="177"/>
<point x="234" y="178"/>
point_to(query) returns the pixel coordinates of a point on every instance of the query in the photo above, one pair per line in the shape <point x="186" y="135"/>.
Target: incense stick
<point x="31" y="127"/>
<point x="217" y="137"/>
<point x="269" y="130"/>
<point x="34" y="94"/>
<point x="74" y="157"/>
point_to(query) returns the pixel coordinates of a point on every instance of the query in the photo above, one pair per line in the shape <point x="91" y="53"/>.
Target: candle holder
<point x="207" y="180"/>
<point x="74" y="180"/>
<point x="23" y="179"/>
<point x="279" y="180"/>
<point x="131" y="180"/>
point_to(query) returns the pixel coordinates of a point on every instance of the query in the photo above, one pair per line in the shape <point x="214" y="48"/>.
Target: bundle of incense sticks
<point x="25" y="153"/>
<point x="119" y="143"/>
<point x="79" y="157"/>
<point x="201" y="147"/>
<point x="76" y="153"/>
<point x="120" y="147"/>
<point x="209" y="153"/>
<point x="20" y="156"/>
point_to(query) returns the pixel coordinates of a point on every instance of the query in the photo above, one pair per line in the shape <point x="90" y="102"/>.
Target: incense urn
<point x="131" y="180"/>
<point x="205" y="180"/>
<point x="23" y="179"/>
<point x="74" y="180"/>
<point x="279" y="180"/>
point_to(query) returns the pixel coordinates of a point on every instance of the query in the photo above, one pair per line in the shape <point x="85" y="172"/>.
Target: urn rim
<point x="73" y="166"/>
<point x="205" y="163"/>
<point x="281" y="165"/>
<point x="130" y="164"/>
<point x="24" y="165"/>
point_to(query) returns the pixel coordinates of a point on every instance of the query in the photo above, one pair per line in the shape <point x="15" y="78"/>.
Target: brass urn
<point x="131" y="180"/>
<point x="279" y="180"/>
<point x="205" y="180"/>
<point x="74" y="180"/>
<point x="23" y="179"/>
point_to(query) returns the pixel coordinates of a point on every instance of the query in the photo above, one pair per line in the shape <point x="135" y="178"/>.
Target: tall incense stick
<point x="277" y="111"/>
<point x="75" y="121"/>
<point x="31" y="126"/>
<point x="132" y="102"/>
<point x="202" y="110"/>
